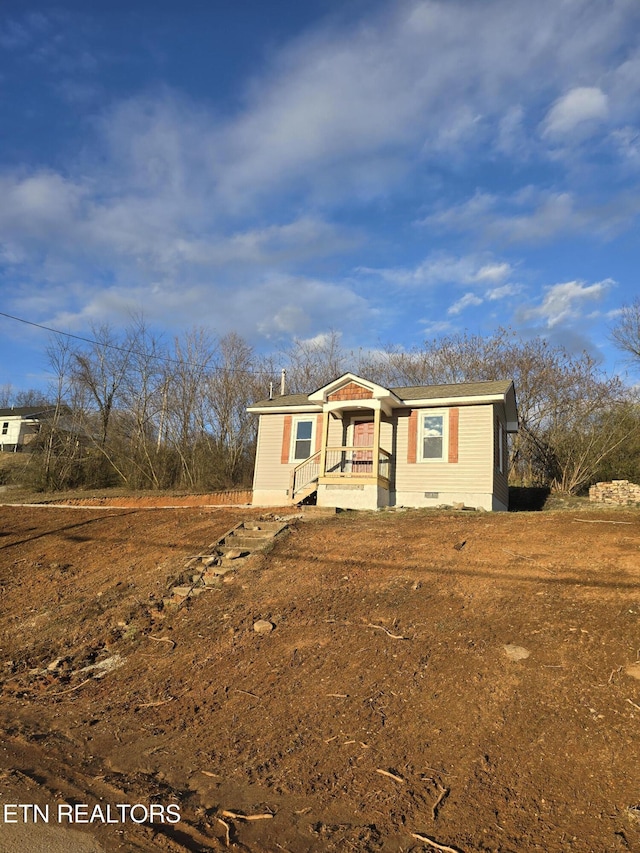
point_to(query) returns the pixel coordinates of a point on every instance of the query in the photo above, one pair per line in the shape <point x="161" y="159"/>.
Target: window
<point x="5" y="427"/>
<point x="302" y="439"/>
<point x="432" y="436"/>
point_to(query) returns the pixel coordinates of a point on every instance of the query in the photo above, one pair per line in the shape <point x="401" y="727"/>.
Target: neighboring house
<point x="358" y="445"/>
<point x="19" y="425"/>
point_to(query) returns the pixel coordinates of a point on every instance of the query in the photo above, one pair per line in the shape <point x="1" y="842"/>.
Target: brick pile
<point x="618" y="492"/>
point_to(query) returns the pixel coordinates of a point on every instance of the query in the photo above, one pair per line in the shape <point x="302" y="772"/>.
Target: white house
<point x="356" y="444"/>
<point x="19" y="425"/>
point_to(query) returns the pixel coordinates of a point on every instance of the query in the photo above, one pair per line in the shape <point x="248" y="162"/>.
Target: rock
<point x="457" y="505"/>
<point x="262" y="626"/>
<point x="211" y="578"/>
<point x="218" y="571"/>
<point x="633" y="670"/>
<point x="210" y="561"/>
<point x="54" y="664"/>
<point x="233" y="554"/>
<point x="181" y="591"/>
<point x="516" y="652"/>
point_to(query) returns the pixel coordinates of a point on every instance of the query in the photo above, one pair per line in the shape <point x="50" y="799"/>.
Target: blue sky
<point x="390" y="171"/>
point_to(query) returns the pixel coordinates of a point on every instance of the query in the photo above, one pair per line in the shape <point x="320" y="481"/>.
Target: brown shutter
<point x="412" y="437"/>
<point x="318" y="433"/>
<point x="286" y="440"/>
<point x="454" y="418"/>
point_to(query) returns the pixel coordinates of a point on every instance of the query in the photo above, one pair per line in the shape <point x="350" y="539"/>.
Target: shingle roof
<point x="405" y="392"/>
<point x="24" y="411"/>
<point x="459" y="389"/>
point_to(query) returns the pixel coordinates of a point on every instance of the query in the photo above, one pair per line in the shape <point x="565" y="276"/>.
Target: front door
<point x="363" y="437"/>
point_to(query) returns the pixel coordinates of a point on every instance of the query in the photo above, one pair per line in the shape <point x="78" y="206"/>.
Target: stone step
<point x="272" y="526"/>
<point x="244" y="543"/>
<point x="219" y="571"/>
<point x="231" y="564"/>
<point x="226" y="549"/>
<point x="252" y="534"/>
<point x="181" y="591"/>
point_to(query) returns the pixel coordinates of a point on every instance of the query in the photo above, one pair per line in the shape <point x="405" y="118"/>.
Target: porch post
<point x="323" y="447"/>
<point x="376" y="441"/>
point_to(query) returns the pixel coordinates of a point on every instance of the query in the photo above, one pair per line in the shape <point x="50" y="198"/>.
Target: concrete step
<point x="225" y="549"/>
<point x="230" y="565"/>
<point x="252" y="534"/>
<point x="246" y="543"/>
<point x="272" y="526"/>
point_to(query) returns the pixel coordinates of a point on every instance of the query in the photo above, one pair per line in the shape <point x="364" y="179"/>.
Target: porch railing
<point x="305" y="473"/>
<point x="346" y="462"/>
<point x="354" y="462"/>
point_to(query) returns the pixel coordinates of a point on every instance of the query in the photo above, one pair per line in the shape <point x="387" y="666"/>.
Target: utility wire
<point x="166" y="358"/>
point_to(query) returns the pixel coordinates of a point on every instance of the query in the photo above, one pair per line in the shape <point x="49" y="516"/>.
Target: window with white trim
<point x="5" y="427"/>
<point x="432" y="436"/>
<point x="302" y="438"/>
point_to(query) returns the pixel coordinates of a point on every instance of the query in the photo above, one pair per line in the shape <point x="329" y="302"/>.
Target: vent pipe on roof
<point x="271" y="390"/>
<point x="282" y="382"/>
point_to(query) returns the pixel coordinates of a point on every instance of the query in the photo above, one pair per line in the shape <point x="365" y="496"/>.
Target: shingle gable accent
<point x="351" y="391"/>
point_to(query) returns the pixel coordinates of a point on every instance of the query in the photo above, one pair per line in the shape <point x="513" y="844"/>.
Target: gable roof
<point x="406" y="393"/>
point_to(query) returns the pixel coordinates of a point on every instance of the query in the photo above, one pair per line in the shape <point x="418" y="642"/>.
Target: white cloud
<point x="437" y="327"/>
<point x="565" y="301"/>
<point x="404" y="82"/>
<point x="443" y="268"/>
<point x="466" y="301"/>
<point x="503" y="292"/>
<point x="532" y="216"/>
<point x="580" y="105"/>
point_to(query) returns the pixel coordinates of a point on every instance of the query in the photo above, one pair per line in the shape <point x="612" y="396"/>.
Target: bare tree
<point x="626" y="332"/>
<point x="312" y="363"/>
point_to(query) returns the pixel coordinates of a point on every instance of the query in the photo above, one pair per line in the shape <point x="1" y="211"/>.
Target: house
<point x="358" y="445"/>
<point x="19" y="425"/>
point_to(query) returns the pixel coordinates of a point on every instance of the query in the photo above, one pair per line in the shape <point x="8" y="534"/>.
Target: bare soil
<point x="384" y="707"/>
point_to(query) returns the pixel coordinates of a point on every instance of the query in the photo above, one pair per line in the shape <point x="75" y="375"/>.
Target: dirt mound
<point x="456" y="677"/>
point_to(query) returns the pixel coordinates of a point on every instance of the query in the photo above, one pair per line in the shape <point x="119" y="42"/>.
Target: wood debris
<point x="435" y="844"/>
<point x="390" y="775"/>
<point x="387" y="632"/>
<point x="236" y="816"/>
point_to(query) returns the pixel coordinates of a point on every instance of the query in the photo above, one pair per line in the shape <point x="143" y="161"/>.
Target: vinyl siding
<point x="270" y="473"/>
<point x="501" y="480"/>
<point x="473" y="472"/>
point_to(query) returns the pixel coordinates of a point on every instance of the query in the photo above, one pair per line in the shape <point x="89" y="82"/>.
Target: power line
<point x="166" y="358"/>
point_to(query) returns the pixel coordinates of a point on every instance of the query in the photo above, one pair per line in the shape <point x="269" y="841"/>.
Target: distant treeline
<point x="129" y="409"/>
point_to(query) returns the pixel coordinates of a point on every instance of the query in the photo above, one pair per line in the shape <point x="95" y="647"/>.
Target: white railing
<point x="356" y="462"/>
<point x="305" y="473"/>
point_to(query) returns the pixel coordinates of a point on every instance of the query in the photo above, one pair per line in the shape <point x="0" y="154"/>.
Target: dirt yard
<point x="434" y="681"/>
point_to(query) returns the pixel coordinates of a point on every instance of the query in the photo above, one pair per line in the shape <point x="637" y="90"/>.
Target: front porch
<point x="355" y="475"/>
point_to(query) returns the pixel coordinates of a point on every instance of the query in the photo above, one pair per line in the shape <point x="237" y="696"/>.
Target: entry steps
<point x="207" y="570"/>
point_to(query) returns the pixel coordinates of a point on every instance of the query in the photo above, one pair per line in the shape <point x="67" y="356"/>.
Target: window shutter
<point x="454" y="419"/>
<point x="286" y="440"/>
<point x="412" y="437"/>
<point x="318" y="433"/>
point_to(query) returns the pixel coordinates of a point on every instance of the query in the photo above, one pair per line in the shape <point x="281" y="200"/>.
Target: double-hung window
<point x="432" y="437"/>
<point x="302" y="439"/>
<point x="5" y="427"/>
